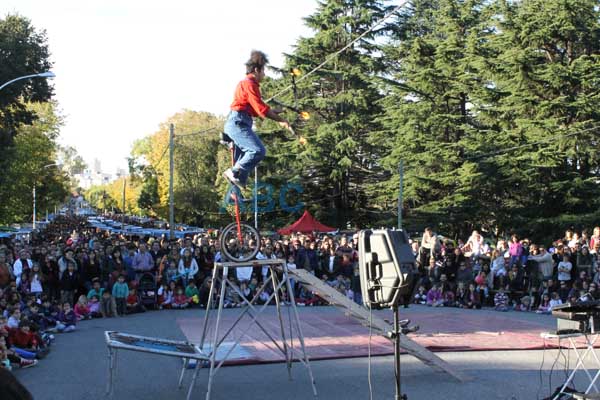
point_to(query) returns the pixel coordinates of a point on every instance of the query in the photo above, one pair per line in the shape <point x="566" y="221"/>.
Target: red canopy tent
<point x="305" y="224"/>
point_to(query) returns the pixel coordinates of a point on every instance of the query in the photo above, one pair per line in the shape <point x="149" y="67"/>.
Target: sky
<point x="124" y="66"/>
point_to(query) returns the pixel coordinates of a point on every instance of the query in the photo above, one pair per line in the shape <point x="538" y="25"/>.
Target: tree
<point x="23" y="51"/>
<point x="546" y="75"/>
<point x="31" y="162"/>
<point x="431" y="115"/>
<point x="338" y="164"/>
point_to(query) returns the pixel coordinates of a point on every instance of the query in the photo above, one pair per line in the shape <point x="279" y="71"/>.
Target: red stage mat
<point x="329" y="334"/>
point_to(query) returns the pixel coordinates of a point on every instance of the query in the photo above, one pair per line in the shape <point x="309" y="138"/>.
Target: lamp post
<point x="47" y="74"/>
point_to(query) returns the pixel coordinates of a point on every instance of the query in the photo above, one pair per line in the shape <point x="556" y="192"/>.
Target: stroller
<point x="147" y="290"/>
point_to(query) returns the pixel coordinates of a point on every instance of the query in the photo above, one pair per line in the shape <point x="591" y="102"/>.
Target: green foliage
<point x="23" y="51"/>
<point x="31" y="161"/>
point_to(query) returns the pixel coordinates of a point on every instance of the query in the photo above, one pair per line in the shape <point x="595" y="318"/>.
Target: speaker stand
<point x="396" y="336"/>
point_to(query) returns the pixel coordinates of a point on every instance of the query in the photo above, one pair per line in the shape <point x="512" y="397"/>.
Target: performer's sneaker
<point x="230" y="176"/>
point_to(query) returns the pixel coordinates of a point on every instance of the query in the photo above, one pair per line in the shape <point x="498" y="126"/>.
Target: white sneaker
<point x="230" y="176"/>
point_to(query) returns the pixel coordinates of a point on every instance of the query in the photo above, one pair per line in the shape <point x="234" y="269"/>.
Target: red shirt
<point x="247" y="98"/>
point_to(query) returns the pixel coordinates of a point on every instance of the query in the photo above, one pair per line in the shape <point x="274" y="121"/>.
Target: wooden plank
<point x="366" y="317"/>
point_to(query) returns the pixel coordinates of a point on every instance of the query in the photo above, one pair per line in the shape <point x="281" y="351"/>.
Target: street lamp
<point x="34" y="202"/>
<point x="47" y="74"/>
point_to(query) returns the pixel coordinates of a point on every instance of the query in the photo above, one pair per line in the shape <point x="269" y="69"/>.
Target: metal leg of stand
<point x="209" y="304"/>
<point x="288" y="356"/>
<point x="193" y="383"/>
<point x="298" y="327"/>
<point x="213" y="354"/>
<point x="185" y="364"/>
<point x="109" y="381"/>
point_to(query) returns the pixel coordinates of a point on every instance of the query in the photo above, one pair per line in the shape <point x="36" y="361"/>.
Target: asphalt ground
<point x="77" y="366"/>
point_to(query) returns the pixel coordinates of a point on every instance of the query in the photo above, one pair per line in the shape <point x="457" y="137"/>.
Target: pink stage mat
<point x="330" y="335"/>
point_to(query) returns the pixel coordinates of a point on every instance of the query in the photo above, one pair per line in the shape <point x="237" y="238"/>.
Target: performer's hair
<point x="257" y="60"/>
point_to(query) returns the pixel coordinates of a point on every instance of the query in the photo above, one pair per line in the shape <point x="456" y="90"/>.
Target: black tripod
<point x="395" y="334"/>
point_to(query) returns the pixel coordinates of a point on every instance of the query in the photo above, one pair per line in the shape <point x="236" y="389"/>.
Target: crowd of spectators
<point x="513" y="274"/>
<point x="70" y="272"/>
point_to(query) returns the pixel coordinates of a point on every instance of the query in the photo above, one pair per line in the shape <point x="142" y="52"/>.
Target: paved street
<point x="77" y="369"/>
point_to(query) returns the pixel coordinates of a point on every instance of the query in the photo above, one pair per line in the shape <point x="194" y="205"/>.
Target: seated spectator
<point x="544" y="307"/>
<point x="179" y="300"/>
<point x="421" y="296"/>
<point x="501" y="300"/>
<point x="448" y="298"/>
<point x="23" y="339"/>
<point x="434" y="297"/>
<point x="524" y="304"/>
<point x="473" y="297"/>
<point x="82" y="309"/>
<point x="95" y="307"/>
<point x="134" y="303"/>
<point x="563" y="291"/>
<point x="461" y="296"/>
<point x="66" y="320"/>
<point x="192" y="293"/>
<point x="554" y="301"/>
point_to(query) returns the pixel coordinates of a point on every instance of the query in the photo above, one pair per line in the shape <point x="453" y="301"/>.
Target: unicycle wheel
<point x="239" y="248"/>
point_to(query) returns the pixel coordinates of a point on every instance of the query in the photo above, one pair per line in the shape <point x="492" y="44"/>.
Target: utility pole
<point x="171" y="168"/>
<point x="401" y="173"/>
<point x="123" y="209"/>
<point x="34" y="206"/>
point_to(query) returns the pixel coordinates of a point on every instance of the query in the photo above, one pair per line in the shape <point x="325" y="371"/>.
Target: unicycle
<point x="239" y="242"/>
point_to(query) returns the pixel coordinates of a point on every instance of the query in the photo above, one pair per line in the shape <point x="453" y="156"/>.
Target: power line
<point x="333" y="55"/>
<point x="214" y="128"/>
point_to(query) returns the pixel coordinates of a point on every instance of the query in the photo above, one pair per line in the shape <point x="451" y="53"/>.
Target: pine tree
<point x="429" y="119"/>
<point x="336" y="164"/>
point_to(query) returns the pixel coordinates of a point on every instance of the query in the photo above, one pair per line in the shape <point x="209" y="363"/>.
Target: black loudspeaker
<point x="386" y="265"/>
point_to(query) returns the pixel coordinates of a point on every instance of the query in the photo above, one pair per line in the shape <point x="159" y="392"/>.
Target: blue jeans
<point x="249" y="150"/>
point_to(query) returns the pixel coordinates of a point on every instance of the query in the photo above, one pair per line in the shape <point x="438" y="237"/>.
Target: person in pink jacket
<point x="515" y="250"/>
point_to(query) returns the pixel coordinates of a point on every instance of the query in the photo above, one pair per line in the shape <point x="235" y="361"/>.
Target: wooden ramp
<point x="366" y="318"/>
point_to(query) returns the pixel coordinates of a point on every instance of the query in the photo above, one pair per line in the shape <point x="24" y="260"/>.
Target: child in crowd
<point x="179" y="300"/>
<point x="108" y="307"/>
<point x="448" y="298"/>
<point x="421" y="296"/>
<point x="96" y="289"/>
<point x="82" y="309"/>
<point x="192" y="293"/>
<point x="15" y="318"/>
<point x="473" y="299"/>
<point x="434" y="297"/>
<point x="554" y="301"/>
<point x="524" y="304"/>
<point x="232" y="299"/>
<point x="120" y="291"/>
<point x="25" y="340"/>
<point x="95" y="307"/>
<point x="36" y="279"/>
<point x="501" y="300"/>
<point x="161" y="294"/>
<point x="134" y="303"/>
<point x="461" y="295"/>
<point x="66" y="319"/>
<point x="544" y="307"/>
